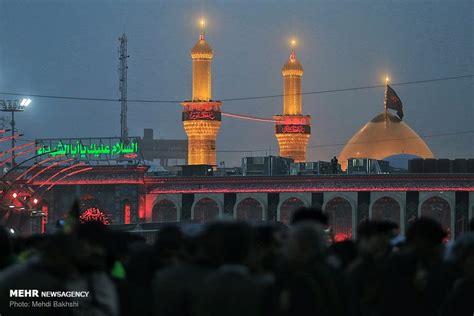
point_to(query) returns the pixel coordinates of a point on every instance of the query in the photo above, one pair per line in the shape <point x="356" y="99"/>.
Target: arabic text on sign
<point x="293" y="129"/>
<point x="94" y="214"/>
<point x="78" y="149"/>
<point x="201" y="115"/>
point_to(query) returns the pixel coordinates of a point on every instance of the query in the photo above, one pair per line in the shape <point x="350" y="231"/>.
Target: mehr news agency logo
<point x="28" y="293"/>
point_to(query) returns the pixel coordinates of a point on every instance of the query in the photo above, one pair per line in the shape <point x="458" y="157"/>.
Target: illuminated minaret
<point x="292" y="129"/>
<point x="201" y="116"/>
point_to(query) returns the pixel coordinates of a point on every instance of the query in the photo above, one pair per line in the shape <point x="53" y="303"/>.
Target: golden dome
<point x="292" y="67"/>
<point x="385" y="135"/>
<point x="202" y="50"/>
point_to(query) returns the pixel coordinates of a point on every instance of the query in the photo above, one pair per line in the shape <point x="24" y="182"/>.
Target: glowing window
<point x="249" y="209"/>
<point x="386" y="209"/>
<point x="339" y="212"/>
<point x="287" y="208"/>
<point x="164" y="211"/>
<point x="205" y="209"/>
<point x="438" y="209"/>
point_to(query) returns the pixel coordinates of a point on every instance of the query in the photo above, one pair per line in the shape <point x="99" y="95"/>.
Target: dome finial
<point x="293" y="45"/>
<point x="292" y="67"/>
<point x="202" y="22"/>
<point x="201" y="49"/>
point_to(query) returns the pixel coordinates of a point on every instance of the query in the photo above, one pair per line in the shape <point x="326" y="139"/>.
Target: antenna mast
<point x="123" y="87"/>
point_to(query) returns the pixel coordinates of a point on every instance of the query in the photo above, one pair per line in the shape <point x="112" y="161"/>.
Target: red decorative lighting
<point x="93" y="214"/>
<point x="341" y="237"/>
<point x="293" y="119"/>
<point x="3" y="162"/>
<point x="314" y="189"/>
<point x="127" y="213"/>
<point x="48" y="181"/>
<point x="69" y="175"/>
<point x="36" y="165"/>
<point x="201" y="106"/>
<point x="47" y="168"/>
<point x="44" y="219"/>
<point x="130" y="156"/>
<point x="298" y="129"/>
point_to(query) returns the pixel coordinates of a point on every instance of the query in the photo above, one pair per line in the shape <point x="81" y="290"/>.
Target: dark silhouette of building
<point x="168" y="151"/>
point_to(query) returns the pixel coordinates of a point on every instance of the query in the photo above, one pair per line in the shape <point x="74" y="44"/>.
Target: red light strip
<point x="248" y="117"/>
<point x="61" y="171"/>
<point x="4" y="139"/>
<point x="47" y="168"/>
<point x="302" y="190"/>
<point x="100" y="181"/>
<point x="69" y="175"/>
<point x="19" y="154"/>
<point x="15" y="148"/>
<point x="36" y="165"/>
<point x="292" y="180"/>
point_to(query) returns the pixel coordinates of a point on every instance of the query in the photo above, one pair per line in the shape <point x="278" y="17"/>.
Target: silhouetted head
<point x="264" y="235"/>
<point x="62" y="253"/>
<point x="233" y="242"/>
<point x="93" y="239"/>
<point x="306" y="242"/>
<point x="345" y="252"/>
<point x="309" y="214"/>
<point x="425" y="237"/>
<point x="425" y="230"/>
<point x="265" y="246"/>
<point x="372" y="228"/>
<point x="374" y="237"/>
<point x="140" y="267"/>
<point x="169" y="245"/>
<point x="169" y="237"/>
<point x="463" y="254"/>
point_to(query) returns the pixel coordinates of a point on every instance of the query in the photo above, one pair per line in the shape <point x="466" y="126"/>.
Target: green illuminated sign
<point x="79" y="150"/>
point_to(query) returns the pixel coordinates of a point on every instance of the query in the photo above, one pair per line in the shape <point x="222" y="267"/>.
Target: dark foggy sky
<point x="69" y="47"/>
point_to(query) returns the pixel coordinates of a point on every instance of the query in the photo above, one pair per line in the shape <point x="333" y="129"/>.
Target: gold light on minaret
<point x="201" y="116"/>
<point x="201" y="55"/>
<point x="292" y="129"/>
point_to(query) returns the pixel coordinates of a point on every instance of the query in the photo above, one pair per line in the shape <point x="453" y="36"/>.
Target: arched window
<point x="339" y="212"/>
<point x="205" y="209"/>
<point x="127" y="212"/>
<point x="164" y="211"/>
<point x="438" y="209"/>
<point x="249" y="209"/>
<point x="386" y="209"/>
<point x="287" y="208"/>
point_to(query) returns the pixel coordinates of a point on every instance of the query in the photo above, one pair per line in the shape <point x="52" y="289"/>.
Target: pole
<point x="123" y="87"/>
<point x="13" y="139"/>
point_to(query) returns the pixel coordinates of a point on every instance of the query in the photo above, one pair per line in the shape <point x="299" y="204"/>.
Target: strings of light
<point x="248" y="117"/>
<point x="65" y="97"/>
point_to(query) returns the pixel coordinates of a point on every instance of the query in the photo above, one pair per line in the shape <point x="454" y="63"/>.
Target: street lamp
<point x="14" y="106"/>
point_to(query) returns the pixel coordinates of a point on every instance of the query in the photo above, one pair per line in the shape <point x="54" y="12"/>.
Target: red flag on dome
<point x="392" y="101"/>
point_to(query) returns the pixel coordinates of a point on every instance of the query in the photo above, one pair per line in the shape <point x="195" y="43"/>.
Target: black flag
<point x="393" y="102"/>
